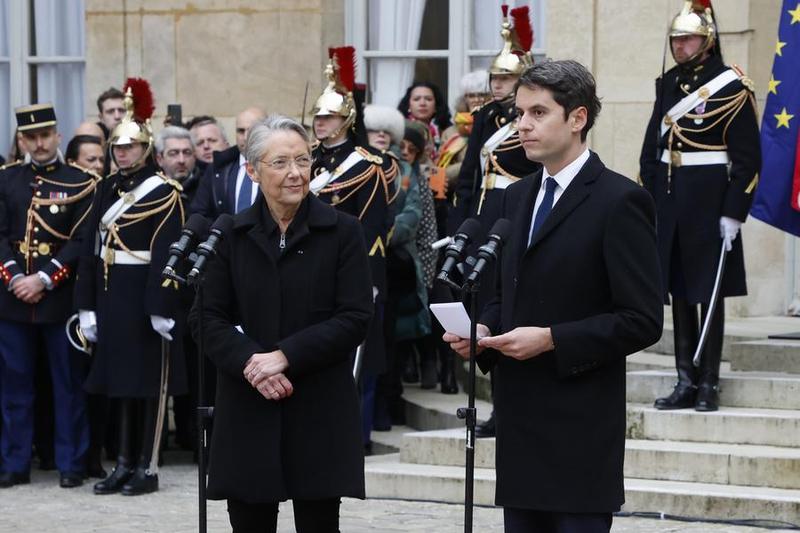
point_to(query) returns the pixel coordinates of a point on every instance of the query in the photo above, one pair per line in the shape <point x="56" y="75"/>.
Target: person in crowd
<point x="208" y="136"/>
<point x="405" y="311"/>
<point x="43" y="204"/>
<point x="700" y="160"/>
<point x="110" y="110"/>
<point x="17" y="152"/>
<point x="282" y="343"/>
<point x="224" y="187"/>
<point x="474" y="94"/>
<point x="357" y="180"/>
<point x="579" y="290"/>
<point x="90" y="128"/>
<point x="124" y="307"/>
<point x="87" y="152"/>
<point x="495" y="156"/>
<point x="424" y="102"/>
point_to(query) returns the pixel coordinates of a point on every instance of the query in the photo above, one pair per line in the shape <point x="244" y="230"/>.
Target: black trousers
<point x="310" y="516"/>
<point x="531" y="521"/>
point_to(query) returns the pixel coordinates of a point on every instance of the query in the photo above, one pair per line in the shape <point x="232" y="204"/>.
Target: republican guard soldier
<point x="700" y="159"/>
<point x="495" y="158"/>
<point x="125" y="308"/>
<point x="358" y="180"/>
<point x="43" y="204"/>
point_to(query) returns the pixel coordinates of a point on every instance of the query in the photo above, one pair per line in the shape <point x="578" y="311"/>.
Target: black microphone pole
<point x="469" y="414"/>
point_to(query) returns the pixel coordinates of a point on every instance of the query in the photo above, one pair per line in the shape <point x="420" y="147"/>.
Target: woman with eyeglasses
<point x="288" y="299"/>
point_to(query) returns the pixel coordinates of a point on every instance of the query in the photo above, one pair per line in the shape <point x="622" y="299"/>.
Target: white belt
<point x="690" y="159"/>
<point x="121" y="257"/>
<point x="496" y="181"/>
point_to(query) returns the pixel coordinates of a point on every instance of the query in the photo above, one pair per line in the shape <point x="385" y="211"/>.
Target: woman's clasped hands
<point x="264" y="371"/>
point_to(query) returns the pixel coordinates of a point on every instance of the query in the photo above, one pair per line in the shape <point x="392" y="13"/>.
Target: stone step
<point x="732" y="425"/>
<point x="384" y="442"/>
<point x="768" y="355"/>
<point x="388" y="477"/>
<point x="736" y="330"/>
<point x="768" y="390"/>
<point x="734" y="464"/>
<point x="430" y="409"/>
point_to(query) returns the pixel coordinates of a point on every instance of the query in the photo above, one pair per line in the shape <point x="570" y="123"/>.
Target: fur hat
<point x="476" y="81"/>
<point x="385" y="118"/>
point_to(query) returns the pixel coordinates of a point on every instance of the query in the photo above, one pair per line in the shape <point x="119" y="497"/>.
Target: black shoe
<point x="707" y="398"/>
<point x="70" y="480"/>
<point x="113" y="483"/>
<point x="142" y="482"/>
<point x="9" y="479"/>
<point x="683" y="396"/>
<point x="430" y="377"/>
<point x="487" y="429"/>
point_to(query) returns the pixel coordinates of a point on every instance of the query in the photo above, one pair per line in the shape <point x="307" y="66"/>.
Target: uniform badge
<point x="129" y="198"/>
<point x="54" y="209"/>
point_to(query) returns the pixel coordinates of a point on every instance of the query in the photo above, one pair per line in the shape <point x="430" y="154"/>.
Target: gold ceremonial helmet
<point x="131" y="130"/>
<point x="336" y="99"/>
<point x="695" y="18"/>
<point x="517" y="41"/>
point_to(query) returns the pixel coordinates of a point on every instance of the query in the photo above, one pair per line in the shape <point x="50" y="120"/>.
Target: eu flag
<point x="778" y="193"/>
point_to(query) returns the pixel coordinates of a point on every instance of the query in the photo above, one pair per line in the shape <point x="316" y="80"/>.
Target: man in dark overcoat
<point x="700" y="160"/>
<point x="579" y="290"/>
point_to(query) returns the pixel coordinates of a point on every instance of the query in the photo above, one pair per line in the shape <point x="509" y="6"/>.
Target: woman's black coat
<point x="313" y="301"/>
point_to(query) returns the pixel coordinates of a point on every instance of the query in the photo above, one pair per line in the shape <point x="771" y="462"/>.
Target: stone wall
<point x="213" y="56"/>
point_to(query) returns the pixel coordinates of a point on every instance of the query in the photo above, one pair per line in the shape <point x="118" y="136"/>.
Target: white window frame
<point x="20" y="59"/>
<point x="458" y="53"/>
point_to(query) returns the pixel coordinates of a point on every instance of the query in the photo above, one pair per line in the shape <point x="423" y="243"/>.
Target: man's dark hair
<point x="200" y="120"/>
<point x="571" y="85"/>
<point x="74" y="146"/>
<point x="111" y="93"/>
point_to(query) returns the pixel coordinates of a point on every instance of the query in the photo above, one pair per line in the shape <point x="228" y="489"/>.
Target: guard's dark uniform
<point x="42" y="210"/>
<point x="480" y="189"/>
<point x="700" y="164"/>
<point x="124" y="287"/>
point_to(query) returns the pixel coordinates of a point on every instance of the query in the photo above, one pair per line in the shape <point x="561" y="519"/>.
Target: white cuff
<point x="48" y="283"/>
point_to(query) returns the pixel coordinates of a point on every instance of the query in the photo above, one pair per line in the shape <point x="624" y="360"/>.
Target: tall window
<point x="399" y="41"/>
<point x="41" y="60"/>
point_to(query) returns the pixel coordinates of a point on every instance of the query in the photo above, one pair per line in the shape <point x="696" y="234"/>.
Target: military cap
<point x="35" y="116"/>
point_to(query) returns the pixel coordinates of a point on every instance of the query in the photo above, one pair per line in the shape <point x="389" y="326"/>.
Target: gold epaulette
<point x="369" y="156"/>
<point x="10" y="164"/>
<point x="85" y="170"/>
<point x="746" y="81"/>
<point x="169" y="181"/>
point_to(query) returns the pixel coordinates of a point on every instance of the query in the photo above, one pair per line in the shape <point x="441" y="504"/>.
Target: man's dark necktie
<point x="245" y="194"/>
<point x="544" y="208"/>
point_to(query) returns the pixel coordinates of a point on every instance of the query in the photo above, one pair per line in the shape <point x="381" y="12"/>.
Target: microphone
<point x="488" y="252"/>
<point x="454" y="252"/>
<point x="208" y="249"/>
<point x="441" y="243"/>
<point x="196" y="228"/>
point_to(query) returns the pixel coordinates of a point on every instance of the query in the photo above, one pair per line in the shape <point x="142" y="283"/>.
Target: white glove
<point x="728" y="230"/>
<point x="162" y="325"/>
<point x="88" y="323"/>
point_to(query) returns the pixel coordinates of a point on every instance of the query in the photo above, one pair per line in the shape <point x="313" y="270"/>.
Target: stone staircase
<point x="741" y="462"/>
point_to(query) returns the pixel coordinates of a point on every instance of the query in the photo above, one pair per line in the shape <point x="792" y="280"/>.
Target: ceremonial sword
<point x="712" y="305"/>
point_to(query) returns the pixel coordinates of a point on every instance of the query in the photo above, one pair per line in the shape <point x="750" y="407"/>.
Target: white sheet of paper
<point x="453" y="318"/>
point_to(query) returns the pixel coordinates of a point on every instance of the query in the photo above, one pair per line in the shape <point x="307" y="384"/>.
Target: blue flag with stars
<point x="777" y="196"/>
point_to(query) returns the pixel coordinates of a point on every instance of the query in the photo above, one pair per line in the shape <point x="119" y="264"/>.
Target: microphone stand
<point x="204" y="412"/>
<point x="469" y="292"/>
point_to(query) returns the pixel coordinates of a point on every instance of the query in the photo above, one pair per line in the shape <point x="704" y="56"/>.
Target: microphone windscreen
<point x="197" y="224"/>
<point x="223" y="224"/>
<point x="471" y="228"/>
<point x="501" y="228"/>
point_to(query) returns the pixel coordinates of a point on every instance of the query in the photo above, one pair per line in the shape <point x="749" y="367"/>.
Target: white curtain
<point x="60" y="32"/>
<point x="6" y="119"/>
<point x="486" y="24"/>
<point x="393" y="25"/>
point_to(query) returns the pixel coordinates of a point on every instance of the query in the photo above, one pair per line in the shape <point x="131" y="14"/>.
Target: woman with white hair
<point x="288" y="299"/>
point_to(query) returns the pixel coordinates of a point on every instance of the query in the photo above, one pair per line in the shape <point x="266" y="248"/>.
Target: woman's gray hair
<point x="260" y="133"/>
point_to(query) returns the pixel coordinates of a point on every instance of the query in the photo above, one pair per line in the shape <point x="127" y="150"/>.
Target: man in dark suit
<point x="579" y="290"/>
<point x="223" y="187"/>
